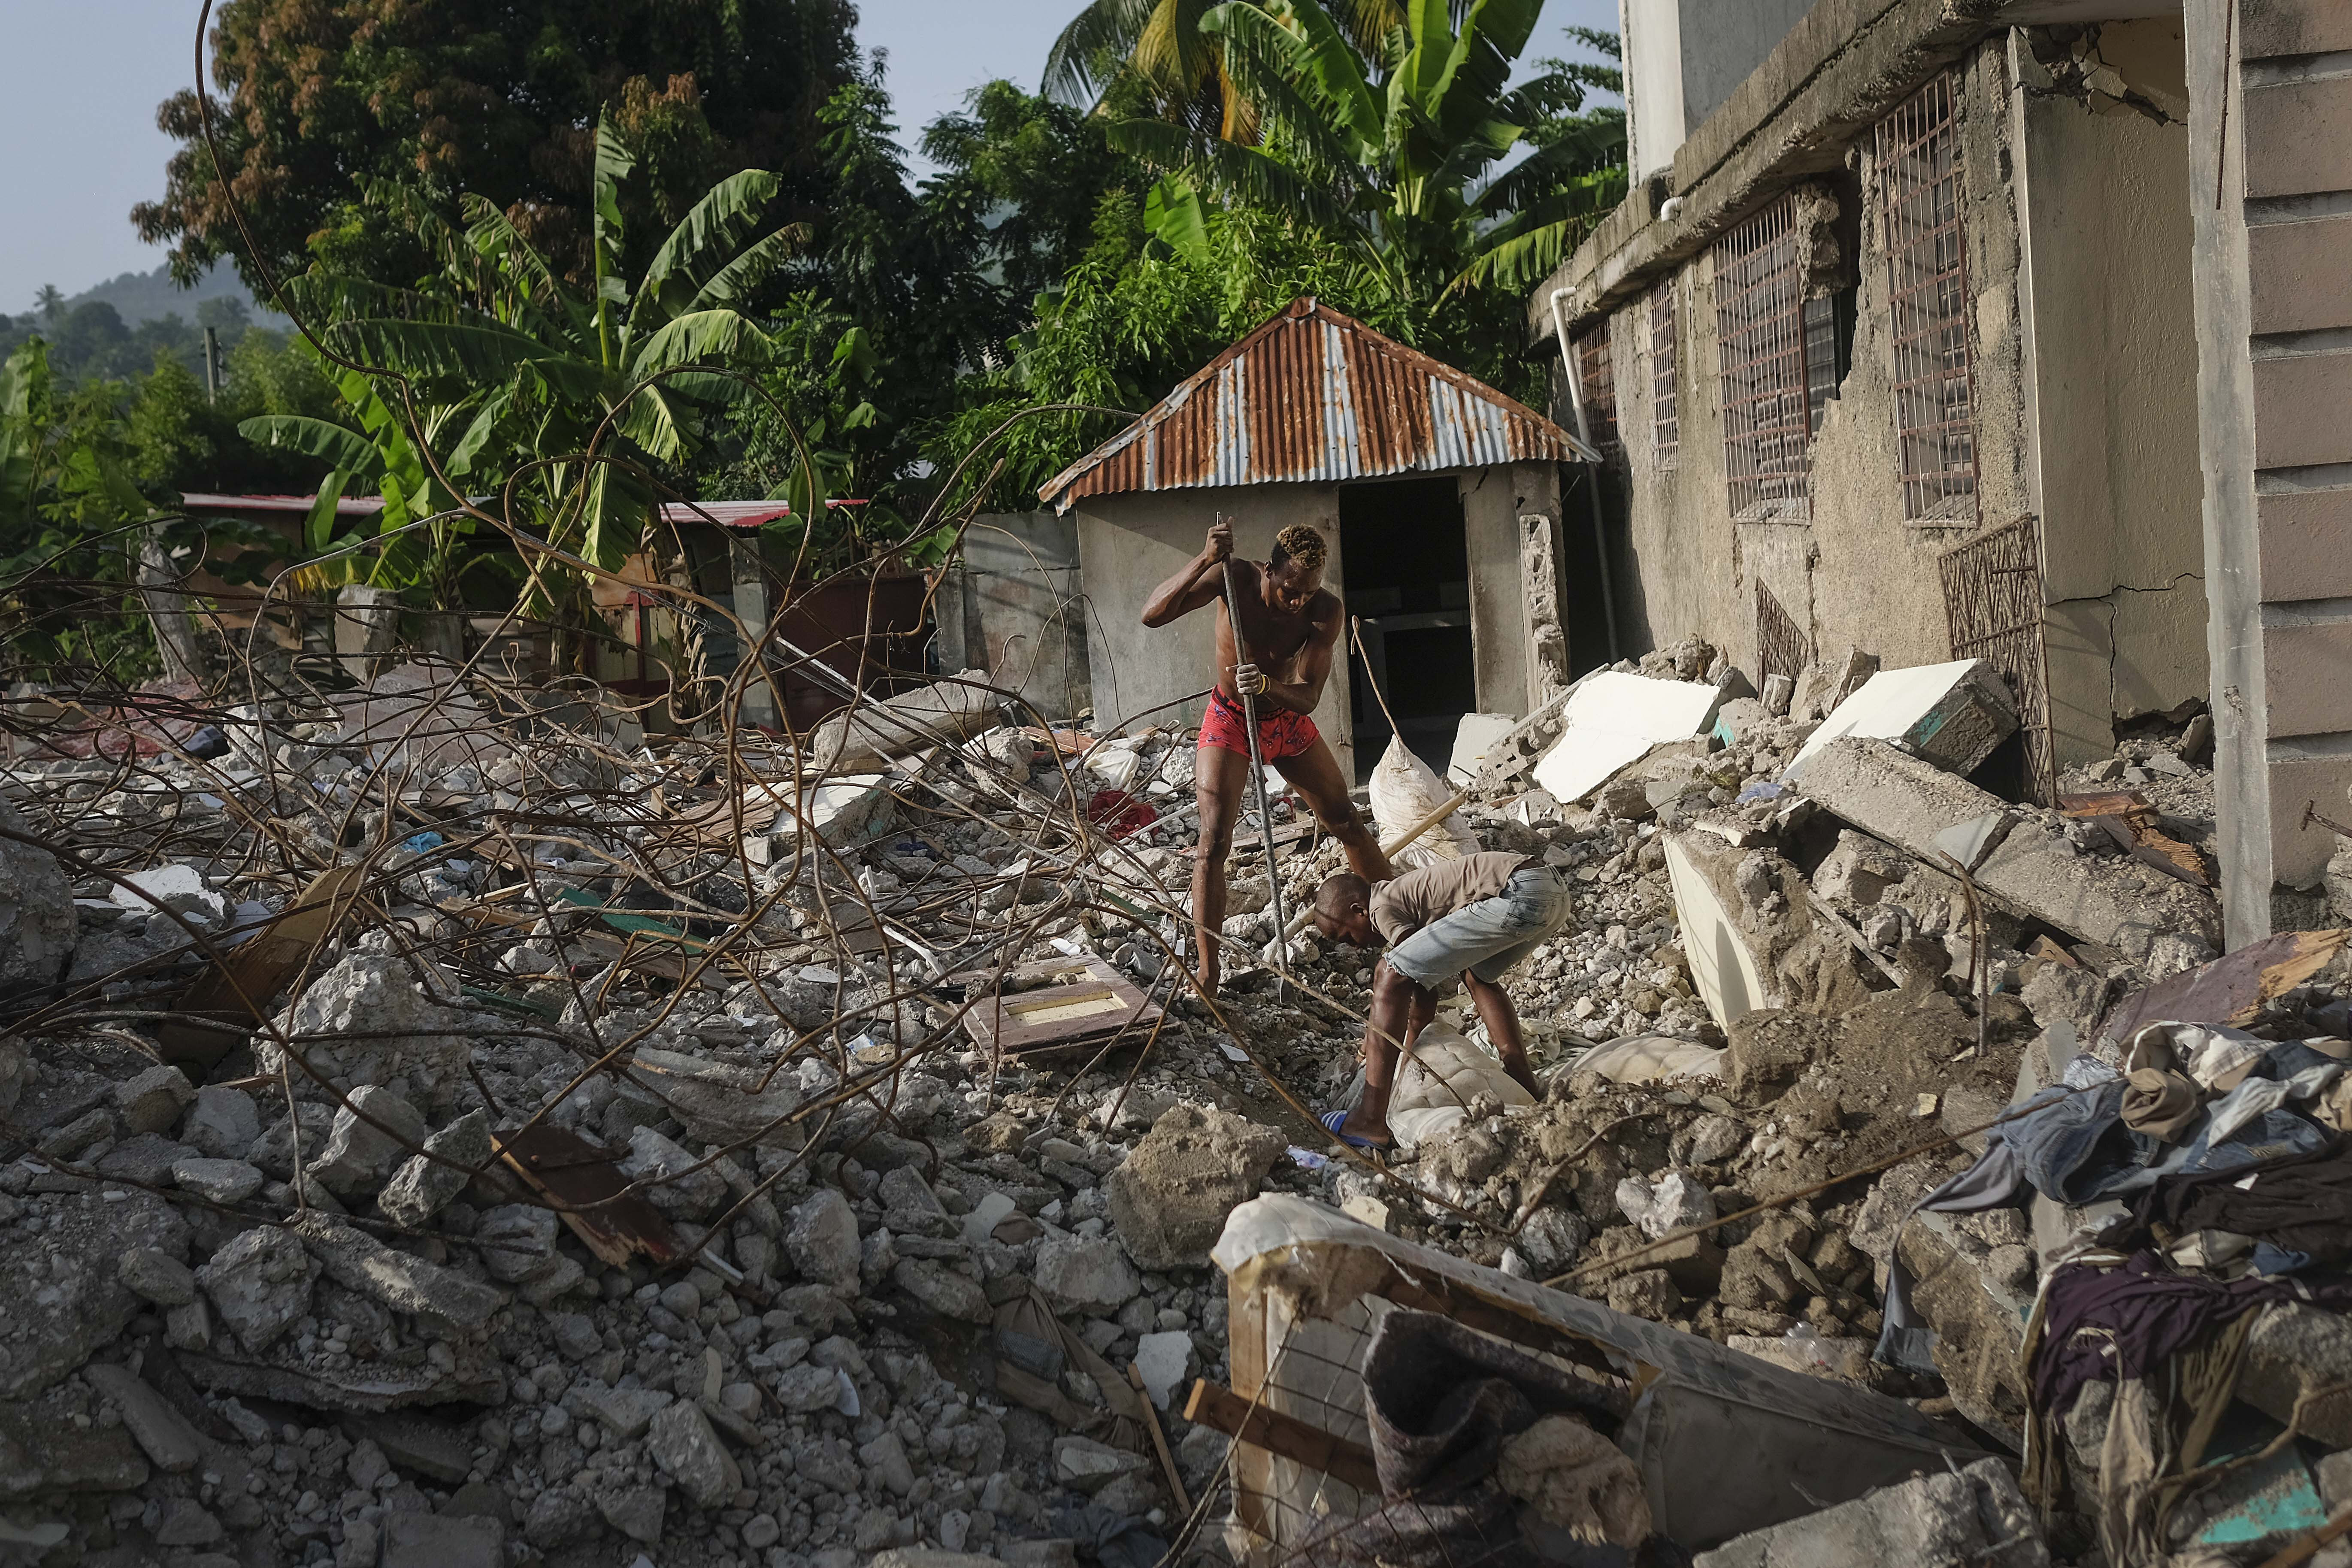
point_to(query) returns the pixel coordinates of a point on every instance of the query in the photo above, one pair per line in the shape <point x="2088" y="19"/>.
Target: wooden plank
<point x="1286" y="1436"/>
<point x="1069" y="995"/>
<point x="237" y="991"/>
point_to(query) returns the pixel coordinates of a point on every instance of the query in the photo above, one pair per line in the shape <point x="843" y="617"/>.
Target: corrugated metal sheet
<point x="1314" y="394"/>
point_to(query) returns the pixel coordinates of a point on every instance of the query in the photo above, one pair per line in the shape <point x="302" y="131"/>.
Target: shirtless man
<point x="1292" y="624"/>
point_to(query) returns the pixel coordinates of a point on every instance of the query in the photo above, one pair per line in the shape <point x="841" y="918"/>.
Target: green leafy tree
<point x="1400" y="155"/>
<point x="71" y="523"/>
<point x="1162" y="49"/>
<point x="573" y="402"/>
<point x="491" y="97"/>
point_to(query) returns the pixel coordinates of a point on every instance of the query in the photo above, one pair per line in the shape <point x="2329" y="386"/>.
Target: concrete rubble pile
<point x="482" y="1137"/>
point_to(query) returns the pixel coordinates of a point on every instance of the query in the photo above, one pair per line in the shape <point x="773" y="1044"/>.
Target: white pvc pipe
<point x="1592" y="477"/>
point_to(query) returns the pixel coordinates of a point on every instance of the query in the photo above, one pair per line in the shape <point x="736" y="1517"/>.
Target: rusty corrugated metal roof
<point x="1314" y="394"/>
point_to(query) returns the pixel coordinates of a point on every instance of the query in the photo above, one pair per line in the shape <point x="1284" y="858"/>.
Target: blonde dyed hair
<point x="1302" y="545"/>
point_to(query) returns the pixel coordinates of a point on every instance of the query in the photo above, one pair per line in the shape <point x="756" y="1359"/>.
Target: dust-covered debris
<point x="619" y="1166"/>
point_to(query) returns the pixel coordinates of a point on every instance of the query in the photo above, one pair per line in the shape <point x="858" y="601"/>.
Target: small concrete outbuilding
<point x="1440" y="497"/>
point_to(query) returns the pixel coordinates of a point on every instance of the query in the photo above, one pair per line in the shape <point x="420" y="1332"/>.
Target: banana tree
<point x="560" y="399"/>
<point x="1393" y="151"/>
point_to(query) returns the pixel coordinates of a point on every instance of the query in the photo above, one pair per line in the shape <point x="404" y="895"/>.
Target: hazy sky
<point x="80" y="110"/>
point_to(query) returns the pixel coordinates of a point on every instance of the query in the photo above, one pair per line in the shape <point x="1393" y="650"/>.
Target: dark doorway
<point x="1408" y="579"/>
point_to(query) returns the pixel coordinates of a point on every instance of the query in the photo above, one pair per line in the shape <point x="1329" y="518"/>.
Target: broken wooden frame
<point x="1055" y="1005"/>
<point x="1725" y="1443"/>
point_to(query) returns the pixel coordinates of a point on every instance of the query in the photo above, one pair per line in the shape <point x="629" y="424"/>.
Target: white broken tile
<point x="1613" y="722"/>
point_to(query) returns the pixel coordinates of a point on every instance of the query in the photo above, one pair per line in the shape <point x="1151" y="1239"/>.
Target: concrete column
<point x="1504" y="603"/>
<point x="2272" y="195"/>
<point x="758" y="707"/>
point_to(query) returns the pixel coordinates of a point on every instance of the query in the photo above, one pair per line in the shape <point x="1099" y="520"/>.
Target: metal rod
<point x="1257" y="766"/>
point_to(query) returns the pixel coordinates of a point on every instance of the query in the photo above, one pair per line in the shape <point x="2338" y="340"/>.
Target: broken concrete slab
<point x="442" y="1541"/>
<point x="37" y="924"/>
<point x="1951" y="715"/>
<point x="371" y="1134"/>
<point x="868" y="736"/>
<point x="1821" y="686"/>
<point x="1750" y="932"/>
<point x="370" y="1019"/>
<point x="260" y="1284"/>
<point x="2034" y="870"/>
<point x="418" y="712"/>
<point x="1975" y="1518"/>
<point x="1611" y="723"/>
<point x="718" y="1103"/>
<point x="357" y="1261"/>
<point x="1169" y="1199"/>
<point x="679" y="1439"/>
<point x="55" y="1445"/>
<point x="169" y="1442"/>
<point x="428" y="1183"/>
<point x="840" y="812"/>
<point x="64" y="1298"/>
<point x="1472" y="739"/>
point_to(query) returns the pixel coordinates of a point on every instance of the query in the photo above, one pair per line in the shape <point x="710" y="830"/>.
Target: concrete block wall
<point x="2271" y="185"/>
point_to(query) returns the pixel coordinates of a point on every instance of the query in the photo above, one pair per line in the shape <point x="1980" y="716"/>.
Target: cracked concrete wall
<point x="2077" y="241"/>
<point x="1851" y="569"/>
<point x="2106" y="308"/>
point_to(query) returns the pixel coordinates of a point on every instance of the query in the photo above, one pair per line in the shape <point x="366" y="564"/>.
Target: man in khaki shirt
<point x="1475" y="917"/>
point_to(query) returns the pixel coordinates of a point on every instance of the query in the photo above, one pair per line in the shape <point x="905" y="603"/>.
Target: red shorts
<point x="1280" y="734"/>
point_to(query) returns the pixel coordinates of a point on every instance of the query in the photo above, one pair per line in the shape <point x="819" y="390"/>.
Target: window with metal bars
<point x="1766" y="332"/>
<point x="1917" y="149"/>
<point x="1666" y="422"/>
<point x="1597" y="380"/>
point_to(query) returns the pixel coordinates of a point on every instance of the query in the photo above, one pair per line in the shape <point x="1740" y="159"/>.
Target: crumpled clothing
<point x="1443" y="1401"/>
<point x="2255" y="1097"/>
<point x="2299" y="1203"/>
<point x="2160" y="1105"/>
<point x="2071" y="1143"/>
<point x="2218" y="1056"/>
<point x="2112" y="1324"/>
<point x="1995" y="1180"/>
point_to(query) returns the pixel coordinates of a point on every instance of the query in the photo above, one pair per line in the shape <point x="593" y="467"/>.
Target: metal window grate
<point x="1761" y="332"/>
<point x="1917" y="149"/>
<point x="1781" y="647"/>
<point x="1665" y="420"/>
<point x="1597" y="379"/>
<point x="1993" y="609"/>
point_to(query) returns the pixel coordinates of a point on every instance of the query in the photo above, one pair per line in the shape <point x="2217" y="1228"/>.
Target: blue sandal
<point x="1333" y="1121"/>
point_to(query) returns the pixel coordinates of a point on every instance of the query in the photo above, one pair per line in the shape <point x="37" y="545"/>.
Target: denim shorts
<point x="1487" y="937"/>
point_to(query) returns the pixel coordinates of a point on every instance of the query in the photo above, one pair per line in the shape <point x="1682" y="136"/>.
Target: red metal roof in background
<point x="1314" y="394"/>
<point x="731" y="513"/>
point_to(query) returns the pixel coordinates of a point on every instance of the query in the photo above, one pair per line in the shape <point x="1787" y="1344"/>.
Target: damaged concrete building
<point x="1994" y="327"/>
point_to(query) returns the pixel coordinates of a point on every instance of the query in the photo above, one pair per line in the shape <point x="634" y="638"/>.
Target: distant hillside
<point x="140" y="297"/>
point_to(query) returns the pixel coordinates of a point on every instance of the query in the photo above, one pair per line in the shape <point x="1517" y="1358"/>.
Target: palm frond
<point x="1269" y="66"/>
<point x="1593" y="146"/>
<point x="1242" y="172"/>
<point x="703" y="242"/>
<point x="734" y="283"/>
<point x="353" y="454"/>
<point x="1105" y="30"/>
<point x="1319" y="57"/>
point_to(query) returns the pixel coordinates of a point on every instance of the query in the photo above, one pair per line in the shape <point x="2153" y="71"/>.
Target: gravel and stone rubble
<point x="289" y="1309"/>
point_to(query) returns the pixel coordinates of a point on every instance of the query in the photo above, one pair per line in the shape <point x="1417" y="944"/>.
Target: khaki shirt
<point x="1402" y="906"/>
